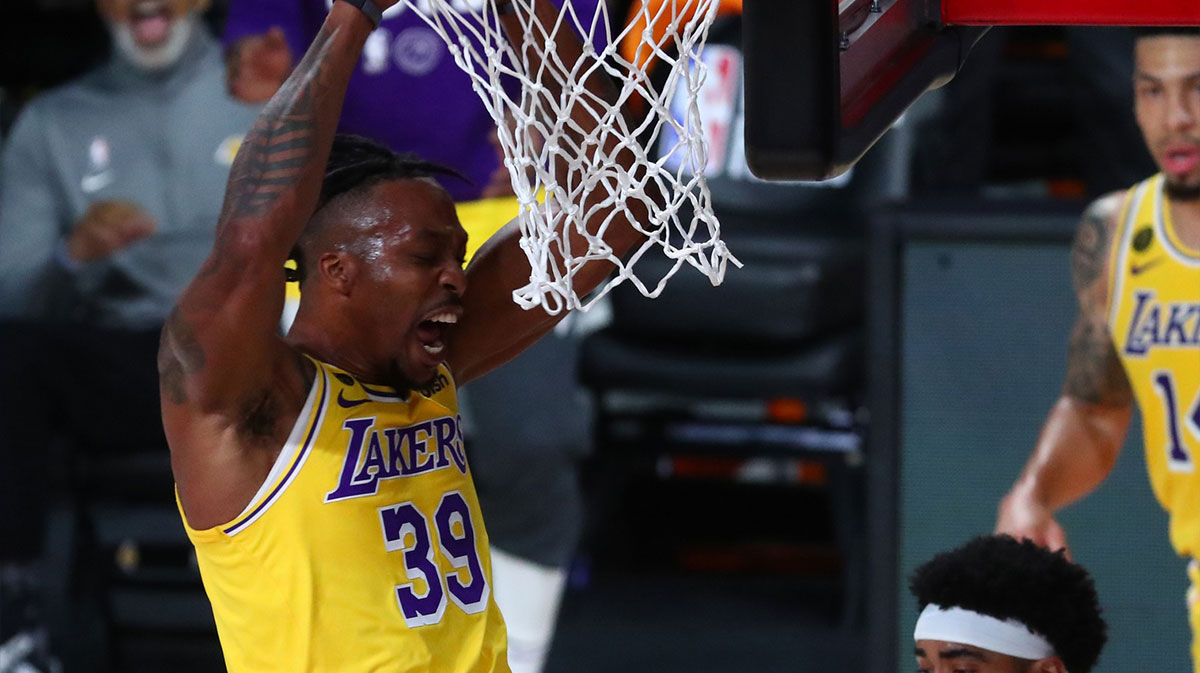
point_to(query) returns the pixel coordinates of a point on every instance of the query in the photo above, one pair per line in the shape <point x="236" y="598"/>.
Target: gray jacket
<point x="162" y="140"/>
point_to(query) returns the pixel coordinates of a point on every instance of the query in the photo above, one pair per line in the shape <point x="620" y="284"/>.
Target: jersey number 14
<point x="1178" y="457"/>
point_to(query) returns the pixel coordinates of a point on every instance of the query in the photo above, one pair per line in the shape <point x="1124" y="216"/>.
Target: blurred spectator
<point x="110" y="190"/>
<point x="404" y="63"/>
<point x="527" y="423"/>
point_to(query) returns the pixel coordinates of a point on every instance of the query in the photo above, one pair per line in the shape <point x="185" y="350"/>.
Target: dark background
<point x="712" y="574"/>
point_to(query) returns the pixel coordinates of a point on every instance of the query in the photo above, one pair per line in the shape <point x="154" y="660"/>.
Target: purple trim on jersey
<point x="287" y="478"/>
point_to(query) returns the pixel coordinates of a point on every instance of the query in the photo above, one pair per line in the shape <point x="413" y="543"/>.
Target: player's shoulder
<point x="1105" y="210"/>
<point x="1096" y="232"/>
<point x="63" y="109"/>
<point x="1095" y="237"/>
<point x="52" y="105"/>
<point x="91" y="90"/>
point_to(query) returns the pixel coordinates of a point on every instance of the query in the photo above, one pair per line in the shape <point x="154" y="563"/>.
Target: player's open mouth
<point x="1181" y="158"/>
<point x="431" y="331"/>
<point x="150" y="22"/>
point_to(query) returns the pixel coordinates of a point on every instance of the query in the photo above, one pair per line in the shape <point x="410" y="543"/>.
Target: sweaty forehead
<point x="394" y="210"/>
<point x="419" y="207"/>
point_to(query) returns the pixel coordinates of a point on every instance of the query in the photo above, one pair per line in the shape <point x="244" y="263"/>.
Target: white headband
<point x="958" y="625"/>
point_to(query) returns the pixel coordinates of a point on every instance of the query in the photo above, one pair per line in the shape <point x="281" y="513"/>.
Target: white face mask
<point x="160" y="57"/>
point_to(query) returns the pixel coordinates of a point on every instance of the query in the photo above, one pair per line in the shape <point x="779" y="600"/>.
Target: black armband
<point x="369" y="8"/>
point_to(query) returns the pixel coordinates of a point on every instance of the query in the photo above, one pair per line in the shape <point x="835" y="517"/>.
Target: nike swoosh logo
<point x="349" y="404"/>
<point x="96" y="182"/>
<point x="1137" y="269"/>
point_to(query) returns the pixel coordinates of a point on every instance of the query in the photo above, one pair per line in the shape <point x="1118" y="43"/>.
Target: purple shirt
<point x="406" y="91"/>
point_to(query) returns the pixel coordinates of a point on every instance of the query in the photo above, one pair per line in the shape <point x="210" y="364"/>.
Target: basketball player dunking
<point x="322" y="476"/>
<point x="1136" y="267"/>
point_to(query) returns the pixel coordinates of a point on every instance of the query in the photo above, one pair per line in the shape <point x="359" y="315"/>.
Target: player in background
<point x="995" y="605"/>
<point x="1136" y="269"/>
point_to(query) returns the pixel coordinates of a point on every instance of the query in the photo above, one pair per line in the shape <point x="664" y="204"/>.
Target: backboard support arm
<point x="824" y="82"/>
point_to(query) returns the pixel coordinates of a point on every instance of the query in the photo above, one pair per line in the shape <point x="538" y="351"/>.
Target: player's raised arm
<point x="494" y="329"/>
<point x="227" y="380"/>
<point x="1084" y="432"/>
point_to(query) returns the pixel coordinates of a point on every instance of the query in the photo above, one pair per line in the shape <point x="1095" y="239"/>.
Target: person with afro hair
<point x="996" y="605"/>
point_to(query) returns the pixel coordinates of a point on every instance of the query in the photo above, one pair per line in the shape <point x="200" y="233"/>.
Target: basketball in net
<point x="528" y="91"/>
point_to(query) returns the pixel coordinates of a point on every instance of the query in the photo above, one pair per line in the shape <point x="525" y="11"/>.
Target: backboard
<point x="826" y="78"/>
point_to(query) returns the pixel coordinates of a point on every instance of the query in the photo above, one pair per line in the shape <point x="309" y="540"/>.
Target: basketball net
<point x="538" y="138"/>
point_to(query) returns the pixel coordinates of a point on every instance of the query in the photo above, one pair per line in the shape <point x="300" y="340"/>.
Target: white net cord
<point x="568" y="178"/>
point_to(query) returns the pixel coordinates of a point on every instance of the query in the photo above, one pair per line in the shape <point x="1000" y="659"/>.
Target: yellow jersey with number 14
<point x="364" y="550"/>
<point x="1154" y="320"/>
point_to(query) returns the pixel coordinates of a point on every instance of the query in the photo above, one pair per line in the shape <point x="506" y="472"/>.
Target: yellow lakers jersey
<point x="1154" y="319"/>
<point x="364" y="550"/>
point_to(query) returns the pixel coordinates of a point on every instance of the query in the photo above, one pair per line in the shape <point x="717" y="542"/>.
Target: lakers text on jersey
<point x="364" y="550"/>
<point x="1154" y="320"/>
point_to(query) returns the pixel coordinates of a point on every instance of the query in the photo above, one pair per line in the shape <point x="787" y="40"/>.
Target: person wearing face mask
<point x="110" y="190"/>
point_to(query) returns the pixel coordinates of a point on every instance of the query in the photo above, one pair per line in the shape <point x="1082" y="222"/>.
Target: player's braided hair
<point x="1003" y="578"/>
<point x="356" y="163"/>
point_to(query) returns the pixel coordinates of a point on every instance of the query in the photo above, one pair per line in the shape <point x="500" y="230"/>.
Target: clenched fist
<point x="106" y="227"/>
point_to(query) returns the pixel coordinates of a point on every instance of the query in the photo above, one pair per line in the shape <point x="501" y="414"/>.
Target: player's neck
<point x="324" y="340"/>
<point x="1185" y="216"/>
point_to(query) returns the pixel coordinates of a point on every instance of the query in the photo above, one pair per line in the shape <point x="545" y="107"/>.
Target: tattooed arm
<point x="230" y="387"/>
<point x="1084" y="432"/>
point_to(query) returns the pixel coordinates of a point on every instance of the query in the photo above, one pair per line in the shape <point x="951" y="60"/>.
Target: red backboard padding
<point x="1072" y="12"/>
